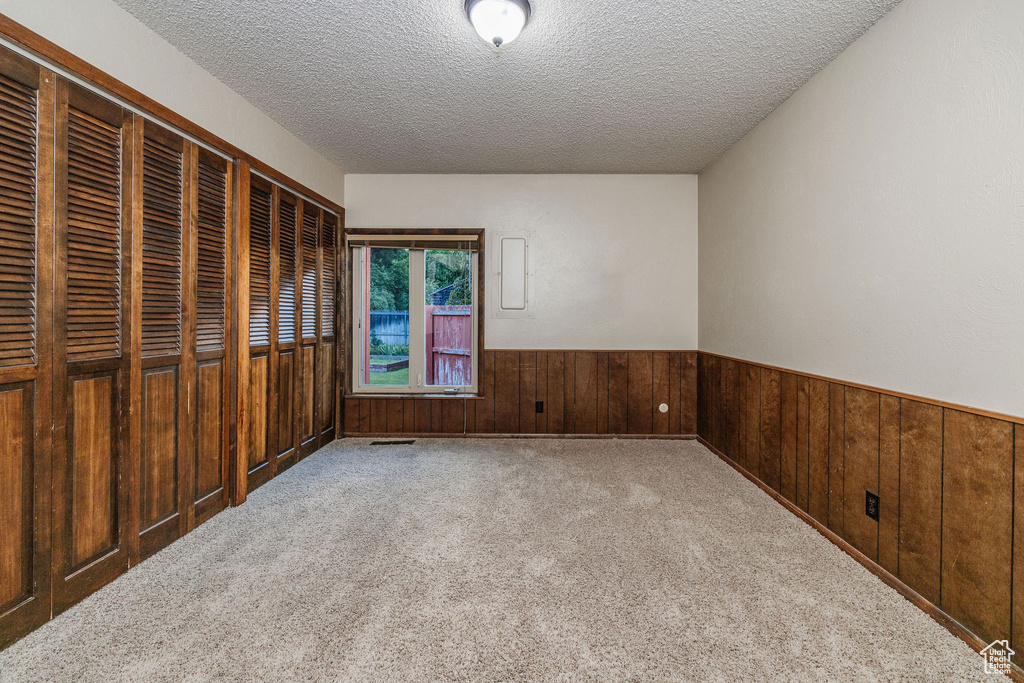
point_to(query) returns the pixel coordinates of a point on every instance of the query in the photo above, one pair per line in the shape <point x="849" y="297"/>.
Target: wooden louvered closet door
<point x="286" y="365"/>
<point x="260" y="312"/>
<point x="308" y="397"/>
<point x="161" y="194"/>
<point x="327" y="345"/>
<point x="92" y="334"/>
<point x="212" y="209"/>
<point x="26" y="352"/>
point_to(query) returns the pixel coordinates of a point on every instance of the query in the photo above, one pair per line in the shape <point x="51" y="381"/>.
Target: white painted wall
<point x="614" y="256"/>
<point x="872" y="228"/>
<point x="106" y="36"/>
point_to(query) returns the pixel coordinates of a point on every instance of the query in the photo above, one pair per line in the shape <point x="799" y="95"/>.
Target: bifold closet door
<point x="327" y="342"/>
<point x="260" y="392"/>
<point x="162" y="194"/>
<point x="26" y="299"/>
<point x="211" y="202"/>
<point x="92" y="338"/>
<point x="308" y="395"/>
<point x="286" y="361"/>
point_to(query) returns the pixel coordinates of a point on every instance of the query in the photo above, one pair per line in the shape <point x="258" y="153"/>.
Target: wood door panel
<point x="16" y="494"/>
<point x="327" y="389"/>
<point x="94" y="457"/>
<point x="209" y="465"/>
<point x="861" y="468"/>
<point x="920" y="538"/>
<point x="258" y="411"/>
<point x="285" y="403"/>
<point x="977" y="522"/>
<point x="159" y="463"/>
<point x="308" y="392"/>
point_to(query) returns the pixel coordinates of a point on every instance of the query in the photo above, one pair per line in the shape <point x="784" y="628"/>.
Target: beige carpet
<point x="486" y="560"/>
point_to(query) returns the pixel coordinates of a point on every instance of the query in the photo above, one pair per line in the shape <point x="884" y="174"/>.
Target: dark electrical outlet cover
<point x="540" y="406"/>
<point x="871" y="506"/>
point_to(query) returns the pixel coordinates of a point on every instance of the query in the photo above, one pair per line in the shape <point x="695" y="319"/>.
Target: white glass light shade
<point x="498" y="21"/>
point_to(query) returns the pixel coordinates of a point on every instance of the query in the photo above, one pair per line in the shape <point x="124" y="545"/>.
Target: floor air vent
<point x="392" y="443"/>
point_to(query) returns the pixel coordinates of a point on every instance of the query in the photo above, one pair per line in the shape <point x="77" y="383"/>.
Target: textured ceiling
<point x="591" y="86"/>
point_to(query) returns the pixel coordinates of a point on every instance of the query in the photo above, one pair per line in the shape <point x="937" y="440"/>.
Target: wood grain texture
<point x="803" y="433"/>
<point x="569" y="396"/>
<point x="639" y="397"/>
<point x="771" y="451"/>
<point x="159" y="465"/>
<point x="555" y="406"/>
<point x="889" y="483"/>
<point x="860" y="468"/>
<point x="661" y="380"/>
<point x="817" y="443"/>
<point x="527" y="392"/>
<point x="920" y="538"/>
<point x="541" y="419"/>
<point x="395" y="415"/>
<point x="586" y="393"/>
<point x="209" y="430"/>
<point x="788" y="392"/>
<point x="977" y="523"/>
<point x="308" y="391"/>
<point x="15" y="505"/>
<point x="618" y="381"/>
<point x="753" y="419"/>
<point x="506" y="392"/>
<point x="1017" y="627"/>
<point x="836" y="451"/>
<point x="94" y="473"/>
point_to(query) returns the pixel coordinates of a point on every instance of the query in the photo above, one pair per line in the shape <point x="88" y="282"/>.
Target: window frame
<point x="354" y="337"/>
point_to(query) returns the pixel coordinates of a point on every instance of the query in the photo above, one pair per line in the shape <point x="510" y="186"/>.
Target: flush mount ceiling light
<point x="498" y="21"/>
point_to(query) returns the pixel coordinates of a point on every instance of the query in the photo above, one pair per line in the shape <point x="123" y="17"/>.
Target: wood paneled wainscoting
<point x="944" y="476"/>
<point x="124" y="299"/>
<point x="605" y="393"/>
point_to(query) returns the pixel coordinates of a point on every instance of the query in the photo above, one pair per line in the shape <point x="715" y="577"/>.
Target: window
<point x="415" y="312"/>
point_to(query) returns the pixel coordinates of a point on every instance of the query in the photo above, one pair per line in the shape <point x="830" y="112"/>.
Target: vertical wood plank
<point x="602" y="393"/>
<point x="569" y="386"/>
<point x="618" y="380"/>
<point x="436" y="416"/>
<point x="977" y="523"/>
<point x="378" y="415"/>
<point x="817" y="445"/>
<point x="860" y="468"/>
<point x="639" y="393"/>
<point x="688" y="387"/>
<point x="485" y="406"/>
<point x="730" y="401"/>
<point x="889" y="483"/>
<point x="542" y="391"/>
<point x="351" y="415"/>
<point x="675" y="374"/>
<point x="424" y="420"/>
<point x="506" y="392"/>
<point x="454" y="416"/>
<point x="788" y="398"/>
<point x="395" y="420"/>
<point x="836" y="448"/>
<point x="527" y="392"/>
<point x="662" y="379"/>
<point x="409" y="415"/>
<point x="771" y="451"/>
<point x="15" y="510"/>
<point x="1017" y="628"/>
<point x="556" y="392"/>
<point x="753" y="410"/>
<point x="365" y="423"/>
<point x="586" y="392"/>
<point x="803" y="404"/>
<point x="920" y="535"/>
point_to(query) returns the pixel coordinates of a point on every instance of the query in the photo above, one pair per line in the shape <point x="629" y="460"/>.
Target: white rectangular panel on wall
<point x="513" y="276"/>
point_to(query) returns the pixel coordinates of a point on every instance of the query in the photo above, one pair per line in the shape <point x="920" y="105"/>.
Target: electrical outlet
<point x="871" y="505"/>
<point x="540" y="406"/>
